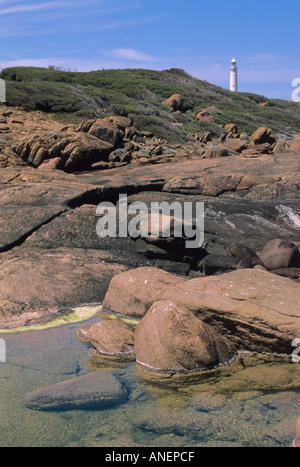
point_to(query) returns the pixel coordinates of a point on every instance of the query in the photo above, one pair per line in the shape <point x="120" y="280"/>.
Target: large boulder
<point x="262" y="135"/>
<point x="92" y="142"/>
<point x="212" y="153"/>
<point x="106" y="130"/>
<point x="84" y="151"/>
<point x="235" y="145"/>
<point x="170" y="338"/>
<point x="232" y="130"/>
<point x="97" y="390"/>
<point x="174" y="102"/>
<point x="258" y="310"/>
<point x="121" y="122"/>
<point x="279" y="254"/>
<point x="133" y="292"/>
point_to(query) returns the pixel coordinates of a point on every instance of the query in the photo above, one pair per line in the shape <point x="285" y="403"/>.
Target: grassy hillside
<point x="139" y="93"/>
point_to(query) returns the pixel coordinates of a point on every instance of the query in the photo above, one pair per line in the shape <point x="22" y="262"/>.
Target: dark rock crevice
<point x="21" y="239"/>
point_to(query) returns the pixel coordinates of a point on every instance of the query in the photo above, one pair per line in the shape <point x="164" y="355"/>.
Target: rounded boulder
<point x="172" y="339"/>
<point x="111" y="337"/>
<point x="279" y="254"/>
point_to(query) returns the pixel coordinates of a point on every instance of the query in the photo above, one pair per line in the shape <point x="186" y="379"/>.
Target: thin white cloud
<point x="130" y="54"/>
<point x="41" y="6"/>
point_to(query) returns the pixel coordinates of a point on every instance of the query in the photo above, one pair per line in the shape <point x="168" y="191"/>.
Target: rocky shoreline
<point x="196" y="309"/>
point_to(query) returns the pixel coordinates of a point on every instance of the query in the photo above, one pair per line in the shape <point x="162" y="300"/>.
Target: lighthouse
<point x="233" y="76"/>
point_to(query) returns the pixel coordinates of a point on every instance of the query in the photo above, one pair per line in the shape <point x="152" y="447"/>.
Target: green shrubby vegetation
<point x="139" y="93"/>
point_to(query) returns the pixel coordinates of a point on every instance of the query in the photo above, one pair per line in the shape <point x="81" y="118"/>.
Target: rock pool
<point x="255" y="403"/>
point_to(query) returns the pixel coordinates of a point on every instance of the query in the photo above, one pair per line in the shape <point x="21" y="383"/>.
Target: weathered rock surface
<point x="212" y="153"/>
<point x="261" y="135"/>
<point x="37" y="285"/>
<point x="230" y="221"/>
<point x="256" y="309"/>
<point x="17" y="223"/>
<point x="294" y="146"/>
<point x="106" y="130"/>
<point x="170" y="338"/>
<point x="236" y="145"/>
<point x="43" y="194"/>
<point x="49" y="164"/>
<point x="232" y="130"/>
<point x="113" y="338"/>
<point x="243" y="252"/>
<point x="133" y="292"/>
<point x="49" y="215"/>
<point x="85" y="151"/>
<point x="97" y="390"/>
<point x="76" y="228"/>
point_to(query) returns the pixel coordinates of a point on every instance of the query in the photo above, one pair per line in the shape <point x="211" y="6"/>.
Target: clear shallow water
<point x="155" y="415"/>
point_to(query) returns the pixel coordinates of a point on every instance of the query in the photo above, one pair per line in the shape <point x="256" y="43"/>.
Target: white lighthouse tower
<point x="233" y="76"/>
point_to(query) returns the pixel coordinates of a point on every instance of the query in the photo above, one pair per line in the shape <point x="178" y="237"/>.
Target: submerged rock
<point x="96" y="390"/>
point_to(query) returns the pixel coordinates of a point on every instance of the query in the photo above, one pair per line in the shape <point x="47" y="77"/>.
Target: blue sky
<point x="199" y="36"/>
